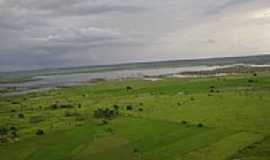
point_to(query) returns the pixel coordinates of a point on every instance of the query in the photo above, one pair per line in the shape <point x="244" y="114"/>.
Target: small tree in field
<point x="40" y="132"/>
<point x="129" y="88"/>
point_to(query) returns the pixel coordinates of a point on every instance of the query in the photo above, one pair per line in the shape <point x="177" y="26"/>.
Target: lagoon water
<point x="41" y="82"/>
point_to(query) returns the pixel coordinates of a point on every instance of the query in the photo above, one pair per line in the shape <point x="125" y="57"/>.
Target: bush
<point x="140" y="109"/>
<point x="212" y="87"/>
<point x="200" y="125"/>
<point x="54" y="106"/>
<point x="21" y="115"/>
<point x="129" y="107"/>
<point x="105" y="113"/>
<point x="13" y="128"/>
<point x="3" y="131"/>
<point x="129" y="88"/>
<point x="110" y="130"/>
<point x="184" y="122"/>
<point x="103" y="122"/>
<point x="40" y="132"/>
<point x="63" y="106"/>
<point x="14" y="134"/>
<point x="116" y="107"/>
<point x="66" y="106"/>
<point x="135" y="150"/>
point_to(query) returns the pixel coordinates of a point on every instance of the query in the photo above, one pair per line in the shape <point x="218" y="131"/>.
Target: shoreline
<point x="216" y="72"/>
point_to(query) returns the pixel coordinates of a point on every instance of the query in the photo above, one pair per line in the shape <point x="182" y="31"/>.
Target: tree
<point x="184" y="122"/>
<point x="105" y="113"/>
<point x="40" y="132"/>
<point x="129" y="107"/>
<point x="116" y="107"/>
<point x="21" y="115"/>
<point x="129" y="88"/>
<point x="200" y="125"/>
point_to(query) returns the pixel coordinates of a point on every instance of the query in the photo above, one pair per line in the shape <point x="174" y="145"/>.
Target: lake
<point x="52" y="81"/>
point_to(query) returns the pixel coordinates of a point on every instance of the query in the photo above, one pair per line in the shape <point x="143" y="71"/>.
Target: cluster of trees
<point x="107" y="113"/>
<point x="8" y="134"/>
<point x="62" y="106"/>
<point x="40" y="132"/>
<point x="213" y="89"/>
<point x="198" y="125"/>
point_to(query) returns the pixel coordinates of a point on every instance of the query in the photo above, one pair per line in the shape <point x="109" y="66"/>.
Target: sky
<point x="38" y="34"/>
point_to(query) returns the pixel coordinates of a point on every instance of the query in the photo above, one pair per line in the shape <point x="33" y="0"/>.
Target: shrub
<point x="15" y="103"/>
<point x="212" y="87"/>
<point x="110" y="130"/>
<point x="13" y="128"/>
<point x="14" y="134"/>
<point x="200" y="125"/>
<point x="63" y="106"/>
<point x="184" y="122"/>
<point x="66" y="106"/>
<point x="129" y="107"/>
<point x="21" y="115"/>
<point x="105" y="113"/>
<point x="54" y="106"/>
<point x="116" y="107"/>
<point x="140" y="109"/>
<point x="135" y="150"/>
<point x="40" y="132"/>
<point x="3" y="131"/>
<point x="129" y="88"/>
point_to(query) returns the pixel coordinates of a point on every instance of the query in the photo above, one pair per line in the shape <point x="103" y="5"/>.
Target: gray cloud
<point x="53" y="33"/>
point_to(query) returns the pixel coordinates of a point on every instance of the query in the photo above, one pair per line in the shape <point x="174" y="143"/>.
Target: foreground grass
<point x="202" y="118"/>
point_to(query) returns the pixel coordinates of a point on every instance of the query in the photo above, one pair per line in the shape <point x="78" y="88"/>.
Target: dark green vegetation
<point x="171" y="119"/>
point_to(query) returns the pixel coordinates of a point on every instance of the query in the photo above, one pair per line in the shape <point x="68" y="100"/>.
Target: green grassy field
<point x="211" y="118"/>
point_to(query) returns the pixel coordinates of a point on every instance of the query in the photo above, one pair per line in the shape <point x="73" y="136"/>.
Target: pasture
<point x="206" y="118"/>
